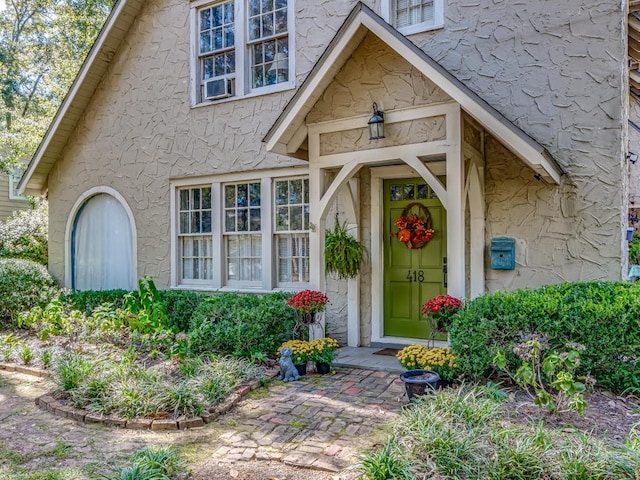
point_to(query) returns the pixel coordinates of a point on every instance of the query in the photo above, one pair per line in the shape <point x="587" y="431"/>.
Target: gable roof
<point x="122" y="15"/>
<point x="285" y="136"/>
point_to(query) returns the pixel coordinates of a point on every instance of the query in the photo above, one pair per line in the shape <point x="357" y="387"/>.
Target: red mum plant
<point x="441" y="309"/>
<point x="308" y="301"/>
<point x="413" y="231"/>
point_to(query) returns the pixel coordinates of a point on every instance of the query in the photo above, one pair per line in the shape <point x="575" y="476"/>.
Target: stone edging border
<point x="48" y="403"/>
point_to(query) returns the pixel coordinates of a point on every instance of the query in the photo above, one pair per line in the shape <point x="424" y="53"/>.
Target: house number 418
<point x="415" y="276"/>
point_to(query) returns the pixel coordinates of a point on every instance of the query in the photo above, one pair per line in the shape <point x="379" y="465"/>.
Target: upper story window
<point x="242" y="48"/>
<point x="413" y="16"/>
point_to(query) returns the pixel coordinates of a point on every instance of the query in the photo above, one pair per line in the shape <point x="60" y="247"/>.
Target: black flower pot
<point x="302" y="369"/>
<point x="419" y="382"/>
<point x="323" y="368"/>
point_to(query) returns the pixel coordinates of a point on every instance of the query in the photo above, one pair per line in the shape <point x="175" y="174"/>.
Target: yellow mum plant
<point x="300" y="350"/>
<point x="438" y="359"/>
<point x="323" y="350"/>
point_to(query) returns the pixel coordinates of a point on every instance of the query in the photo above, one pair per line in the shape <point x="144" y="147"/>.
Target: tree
<point x="42" y="46"/>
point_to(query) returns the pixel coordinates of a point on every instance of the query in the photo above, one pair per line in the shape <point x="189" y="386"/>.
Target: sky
<point x="2" y="5"/>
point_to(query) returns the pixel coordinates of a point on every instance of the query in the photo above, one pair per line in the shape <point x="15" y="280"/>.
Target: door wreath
<point x="414" y="230"/>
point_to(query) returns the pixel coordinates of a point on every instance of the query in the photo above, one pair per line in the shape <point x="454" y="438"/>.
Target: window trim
<point x="438" y="18"/>
<point x="269" y="281"/>
<point x="276" y="233"/>
<point x="243" y="87"/>
<point x="14" y="179"/>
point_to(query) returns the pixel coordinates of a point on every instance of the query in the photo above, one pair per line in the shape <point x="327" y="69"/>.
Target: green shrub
<point x="180" y="306"/>
<point x="23" y="285"/>
<point x="89" y="300"/>
<point x="241" y="325"/>
<point x="602" y="316"/>
<point x="24" y="234"/>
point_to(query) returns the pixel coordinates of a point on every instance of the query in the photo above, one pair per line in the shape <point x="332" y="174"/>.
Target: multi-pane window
<point x="242" y="45"/>
<point x="217" y="50"/>
<point x="292" y="230"/>
<point x="14" y="179"/>
<point x="412" y="12"/>
<point x="268" y="41"/>
<point x="242" y="232"/>
<point x="412" y="16"/>
<point x="194" y="233"/>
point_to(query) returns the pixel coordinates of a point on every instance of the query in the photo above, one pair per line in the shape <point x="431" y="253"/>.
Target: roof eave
<point x="348" y="37"/>
<point x="95" y="65"/>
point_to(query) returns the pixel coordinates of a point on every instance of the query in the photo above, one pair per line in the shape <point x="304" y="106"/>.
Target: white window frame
<point x="14" y="179"/>
<point x="242" y="74"/>
<point x="288" y="233"/>
<point x="269" y="273"/>
<point x="387" y="10"/>
<point x="181" y="235"/>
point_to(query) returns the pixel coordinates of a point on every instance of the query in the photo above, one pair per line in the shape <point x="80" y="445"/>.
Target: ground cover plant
<point x="108" y="385"/>
<point x="469" y="433"/>
<point x="163" y="463"/>
<point x="601" y="316"/>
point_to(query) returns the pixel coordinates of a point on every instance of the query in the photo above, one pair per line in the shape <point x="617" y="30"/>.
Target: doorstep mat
<point x="390" y="352"/>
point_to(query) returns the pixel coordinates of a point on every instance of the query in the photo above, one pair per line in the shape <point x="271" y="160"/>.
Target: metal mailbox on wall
<point x="503" y="253"/>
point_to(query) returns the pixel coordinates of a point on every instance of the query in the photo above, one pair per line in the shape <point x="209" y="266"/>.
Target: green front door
<point x="412" y="275"/>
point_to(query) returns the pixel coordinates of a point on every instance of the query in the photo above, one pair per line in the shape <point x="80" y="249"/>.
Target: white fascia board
<point x="67" y="103"/>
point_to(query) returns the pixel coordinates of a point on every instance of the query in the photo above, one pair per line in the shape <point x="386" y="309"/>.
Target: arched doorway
<point x="102" y="246"/>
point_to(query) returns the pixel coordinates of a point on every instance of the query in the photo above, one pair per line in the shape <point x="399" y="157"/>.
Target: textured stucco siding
<point x="557" y="70"/>
<point x="553" y="68"/>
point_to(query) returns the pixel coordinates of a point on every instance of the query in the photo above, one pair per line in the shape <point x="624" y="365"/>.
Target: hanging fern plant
<point x="343" y="253"/>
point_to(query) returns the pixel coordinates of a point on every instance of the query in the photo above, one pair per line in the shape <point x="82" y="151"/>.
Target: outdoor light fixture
<point x="632" y="157"/>
<point x="376" y="124"/>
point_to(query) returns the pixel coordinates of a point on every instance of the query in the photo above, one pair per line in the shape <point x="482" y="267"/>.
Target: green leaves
<point x="343" y="253"/>
<point x="42" y="45"/>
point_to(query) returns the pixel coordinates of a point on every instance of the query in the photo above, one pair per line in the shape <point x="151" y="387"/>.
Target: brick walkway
<point x="320" y="422"/>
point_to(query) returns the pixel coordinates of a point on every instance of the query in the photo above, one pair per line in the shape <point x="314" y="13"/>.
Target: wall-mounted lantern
<point x="376" y="124"/>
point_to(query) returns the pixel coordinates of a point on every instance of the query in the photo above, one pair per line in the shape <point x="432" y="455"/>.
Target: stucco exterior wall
<point x="556" y="70"/>
<point x="553" y="68"/>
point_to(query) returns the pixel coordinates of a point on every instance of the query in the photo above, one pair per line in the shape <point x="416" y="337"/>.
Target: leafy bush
<point x="24" y="234"/>
<point x="180" y="306"/>
<point x="602" y="316"/>
<point x="23" y="285"/>
<point x="89" y="300"/>
<point x="241" y="325"/>
<point x="147" y="313"/>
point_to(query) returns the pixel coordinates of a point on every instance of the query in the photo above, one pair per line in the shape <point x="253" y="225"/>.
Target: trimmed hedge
<point x="23" y="285"/>
<point x="88" y="300"/>
<point x="603" y="316"/>
<point x="241" y="325"/>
